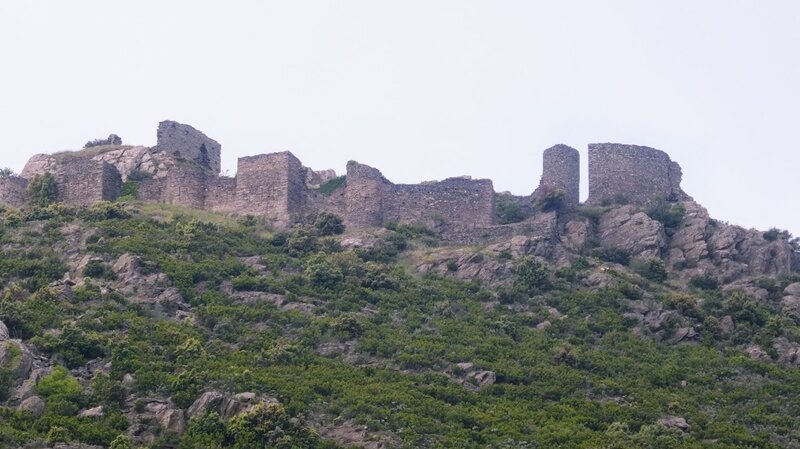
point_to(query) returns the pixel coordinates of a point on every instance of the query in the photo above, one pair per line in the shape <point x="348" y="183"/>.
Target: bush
<point x="112" y="139"/>
<point x="652" y="269"/>
<point x="776" y="234"/>
<point x="669" y="215"/>
<point x="704" y="282"/>
<point x="42" y="190"/>
<point x="552" y="200"/>
<point x="6" y="173"/>
<point x="531" y="276"/>
<point x="329" y="224"/>
<point x="508" y="211"/>
<point x="328" y="187"/>
<point x="613" y="255"/>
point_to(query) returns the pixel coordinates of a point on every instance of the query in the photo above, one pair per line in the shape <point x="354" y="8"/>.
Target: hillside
<point x="145" y="325"/>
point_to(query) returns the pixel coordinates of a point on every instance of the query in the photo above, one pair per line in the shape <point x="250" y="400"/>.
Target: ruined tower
<point x="272" y="186"/>
<point x="561" y="171"/>
<point x="637" y="174"/>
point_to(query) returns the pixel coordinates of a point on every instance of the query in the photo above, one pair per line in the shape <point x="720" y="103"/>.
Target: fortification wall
<point x="84" y="181"/>
<point x="271" y="186"/>
<point x="639" y="174"/>
<point x="221" y="195"/>
<point x="151" y="190"/>
<point x="561" y="170"/>
<point x="185" y="185"/>
<point x="364" y="195"/>
<point x="184" y="142"/>
<point x="452" y="203"/>
<point x="13" y="191"/>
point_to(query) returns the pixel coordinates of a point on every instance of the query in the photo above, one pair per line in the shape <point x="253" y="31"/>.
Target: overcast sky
<point x="424" y="90"/>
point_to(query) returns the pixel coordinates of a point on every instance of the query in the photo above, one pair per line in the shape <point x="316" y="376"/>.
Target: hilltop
<point x="141" y="307"/>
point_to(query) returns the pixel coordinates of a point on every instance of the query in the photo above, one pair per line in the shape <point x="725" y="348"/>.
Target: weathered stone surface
<point x="792" y="289"/>
<point x="184" y="142"/>
<point x="688" y="243"/>
<point x="637" y="174"/>
<point x="757" y="352"/>
<point x="625" y="228"/>
<point x="788" y="352"/>
<point x="169" y="418"/>
<point x="13" y="191"/>
<point x="227" y="406"/>
<point x="33" y="405"/>
<point x="39" y="164"/>
<point x="3" y="332"/>
<point x="574" y="235"/>
<point x="16" y="357"/>
<point x="95" y="412"/>
<point x="726" y="324"/>
<point x="314" y="179"/>
<point x="561" y="172"/>
<point x="674" y="422"/>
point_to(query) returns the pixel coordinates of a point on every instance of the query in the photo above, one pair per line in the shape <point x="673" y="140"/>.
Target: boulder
<point x="635" y="232"/>
<point x="726" y="324"/>
<point x="574" y="236"/>
<point x="3" y="332"/>
<point x="792" y="289"/>
<point x="674" y="422"/>
<point x="483" y="378"/>
<point x="33" y="405"/>
<point x="756" y="352"/>
<point x="688" y="243"/>
<point x="16" y="357"/>
<point x="169" y="418"/>
<point x="95" y="412"/>
<point x="788" y="352"/>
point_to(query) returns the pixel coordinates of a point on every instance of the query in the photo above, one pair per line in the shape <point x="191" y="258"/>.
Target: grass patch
<point x="328" y="187"/>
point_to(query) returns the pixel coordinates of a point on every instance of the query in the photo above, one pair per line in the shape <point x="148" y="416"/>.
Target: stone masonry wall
<point x="84" y="182"/>
<point x="151" y="190"/>
<point x="366" y="188"/>
<point x="221" y="195"/>
<point x="184" y="142"/>
<point x="13" y="191"/>
<point x="271" y="186"/>
<point x="639" y="174"/>
<point x="185" y="185"/>
<point x="561" y="170"/>
<point x="452" y="203"/>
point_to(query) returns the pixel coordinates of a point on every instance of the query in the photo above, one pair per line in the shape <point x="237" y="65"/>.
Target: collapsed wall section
<point x="183" y="142"/>
<point x="452" y="203"/>
<point x="84" y="182"/>
<point x="271" y="186"/>
<point x="634" y="173"/>
<point x="13" y="191"/>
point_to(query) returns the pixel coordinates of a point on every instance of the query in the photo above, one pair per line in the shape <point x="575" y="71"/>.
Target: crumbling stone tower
<point x="85" y="182"/>
<point x="271" y="186"/>
<point x="366" y="188"/>
<point x="186" y="143"/>
<point x="561" y="170"/>
<point x="637" y="174"/>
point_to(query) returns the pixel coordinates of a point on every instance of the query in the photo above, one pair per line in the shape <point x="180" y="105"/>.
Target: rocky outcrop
<point x="33" y="405"/>
<point x="227" y="405"/>
<point x="688" y="244"/>
<point x="627" y="229"/>
<point x="674" y="422"/>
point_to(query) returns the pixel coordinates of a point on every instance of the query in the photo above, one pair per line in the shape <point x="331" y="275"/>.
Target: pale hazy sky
<point x="424" y="89"/>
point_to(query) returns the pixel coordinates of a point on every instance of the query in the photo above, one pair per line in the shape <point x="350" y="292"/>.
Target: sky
<point x="424" y="90"/>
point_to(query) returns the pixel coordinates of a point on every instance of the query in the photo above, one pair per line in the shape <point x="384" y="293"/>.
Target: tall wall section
<point x="271" y="186"/>
<point x="561" y="171"/>
<point x="13" y="191"/>
<point x="84" y="182"/>
<point x="637" y="174"/>
<point x="364" y="195"/>
<point x="185" y="185"/>
<point x="186" y="143"/>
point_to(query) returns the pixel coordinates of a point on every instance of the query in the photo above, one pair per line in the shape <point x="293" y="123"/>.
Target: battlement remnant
<point x="561" y="171"/>
<point x="183" y="169"/>
<point x="634" y="173"/>
<point x="184" y="142"/>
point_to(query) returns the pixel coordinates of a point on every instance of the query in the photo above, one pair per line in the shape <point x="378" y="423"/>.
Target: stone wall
<point x="184" y="142"/>
<point x="271" y="186"/>
<point x="221" y="195"/>
<point x="185" y="185"/>
<point x="452" y="203"/>
<point x="84" y="181"/>
<point x="151" y="190"/>
<point x="13" y="191"/>
<point x="561" y="170"/>
<point x="366" y="188"/>
<point x="638" y="174"/>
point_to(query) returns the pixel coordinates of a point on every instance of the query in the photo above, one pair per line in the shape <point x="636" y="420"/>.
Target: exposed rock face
<point x="314" y="179"/>
<point x="169" y="418"/>
<point x="227" y="406"/>
<point x="184" y="142"/>
<point x="95" y="412"/>
<point x="145" y="160"/>
<point x="13" y="191"/>
<point x="688" y="244"/>
<point x="625" y="228"/>
<point x="17" y="357"/>
<point x="674" y="422"/>
<point x="33" y="405"/>
<point x="38" y="165"/>
<point x="3" y="332"/>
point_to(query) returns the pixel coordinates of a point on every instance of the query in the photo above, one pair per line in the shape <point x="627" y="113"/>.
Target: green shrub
<point x="704" y="282"/>
<point x="59" y="384"/>
<point x="6" y="172"/>
<point x="777" y="234"/>
<point x="329" y="224"/>
<point x="328" y="187"/>
<point x="531" y="276"/>
<point x="668" y="214"/>
<point x="508" y="211"/>
<point x="552" y="200"/>
<point x="42" y="190"/>
<point x="613" y="255"/>
<point x="652" y="269"/>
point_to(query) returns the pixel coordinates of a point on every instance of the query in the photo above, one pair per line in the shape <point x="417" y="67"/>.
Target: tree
<point x="42" y="190"/>
<point x="329" y="224"/>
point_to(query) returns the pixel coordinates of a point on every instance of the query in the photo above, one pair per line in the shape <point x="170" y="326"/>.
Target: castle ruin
<point x="183" y="168"/>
